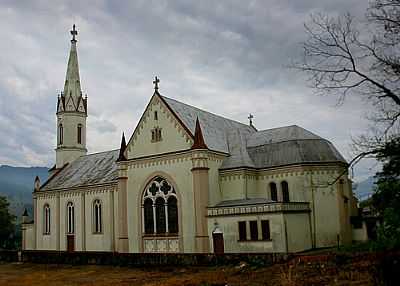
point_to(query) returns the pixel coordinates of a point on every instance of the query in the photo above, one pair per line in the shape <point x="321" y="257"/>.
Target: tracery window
<point x="60" y="134"/>
<point x="97" y="217"/>
<point x="70" y="218"/>
<point x="46" y="219"/>
<point x="79" y="135"/>
<point x="285" y="191"/>
<point x="156" y="134"/>
<point x="274" y="192"/>
<point x="160" y="208"/>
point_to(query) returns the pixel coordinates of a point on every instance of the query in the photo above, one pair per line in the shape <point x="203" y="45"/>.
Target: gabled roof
<point x="215" y="128"/>
<point x="98" y="168"/>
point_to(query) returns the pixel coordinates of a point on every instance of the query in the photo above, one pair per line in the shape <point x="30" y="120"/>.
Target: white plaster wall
<point x="215" y="190"/>
<point x="75" y="198"/>
<point x="233" y="187"/>
<point x="298" y="231"/>
<point x="179" y="172"/>
<point x="229" y="226"/>
<point x="360" y="234"/>
<point x="105" y="240"/>
<point x="46" y="242"/>
<point x="65" y="152"/>
<point x="29" y="236"/>
<point x="174" y="137"/>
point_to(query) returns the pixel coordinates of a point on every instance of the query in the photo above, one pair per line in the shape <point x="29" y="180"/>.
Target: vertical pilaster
<point x="123" y="242"/>
<point x="83" y="220"/>
<point x="35" y="222"/>
<point x="58" y="221"/>
<point x="200" y="190"/>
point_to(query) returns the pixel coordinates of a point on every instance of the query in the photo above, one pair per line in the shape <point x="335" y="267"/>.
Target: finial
<point x="155" y="82"/>
<point x="74" y="32"/>
<point x="251" y="119"/>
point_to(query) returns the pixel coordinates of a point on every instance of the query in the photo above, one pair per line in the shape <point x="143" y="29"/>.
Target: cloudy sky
<point x="228" y="57"/>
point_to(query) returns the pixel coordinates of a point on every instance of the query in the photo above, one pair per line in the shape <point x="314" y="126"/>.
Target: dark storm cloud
<point x="228" y="57"/>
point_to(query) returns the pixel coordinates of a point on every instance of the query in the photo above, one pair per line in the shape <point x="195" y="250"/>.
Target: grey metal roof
<point x="215" y="128"/>
<point x="256" y="149"/>
<point x="98" y="168"/>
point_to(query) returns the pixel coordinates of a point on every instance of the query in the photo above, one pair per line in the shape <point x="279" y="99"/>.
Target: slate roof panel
<point x="98" y="168"/>
<point x="215" y="128"/>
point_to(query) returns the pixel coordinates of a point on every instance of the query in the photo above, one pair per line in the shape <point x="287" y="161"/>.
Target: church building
<point x="188" y="181"/>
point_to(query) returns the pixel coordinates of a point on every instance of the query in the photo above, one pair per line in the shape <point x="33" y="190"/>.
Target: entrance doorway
<point x="70" y="243"/>
<point x="218" y="242"/>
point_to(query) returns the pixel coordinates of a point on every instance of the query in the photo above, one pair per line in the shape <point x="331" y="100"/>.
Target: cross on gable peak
<point x="74" y="33"/>
<point x="155" y="82"/>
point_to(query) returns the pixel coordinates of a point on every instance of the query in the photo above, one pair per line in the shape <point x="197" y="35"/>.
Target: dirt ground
<point x="38" y="274"/>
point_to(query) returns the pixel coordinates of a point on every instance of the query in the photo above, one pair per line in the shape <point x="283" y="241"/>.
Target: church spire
<point x="198" y="137"/>
<point x="72" y="87"/>
<point x="122" y="149"/>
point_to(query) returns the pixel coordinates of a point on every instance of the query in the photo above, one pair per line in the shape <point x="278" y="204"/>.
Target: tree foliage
<point x="345" y="57"/>
<point x="7" y="227"/>
<point x="386" y="199"/>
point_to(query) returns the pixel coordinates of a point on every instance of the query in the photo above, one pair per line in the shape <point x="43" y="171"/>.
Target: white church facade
<point x="188" y="181"/>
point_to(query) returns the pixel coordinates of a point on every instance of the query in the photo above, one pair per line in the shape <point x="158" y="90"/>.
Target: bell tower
<point x="71" y="112"/>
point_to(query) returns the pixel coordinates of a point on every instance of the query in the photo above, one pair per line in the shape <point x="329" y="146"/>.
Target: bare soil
<point x="291" y="273"/>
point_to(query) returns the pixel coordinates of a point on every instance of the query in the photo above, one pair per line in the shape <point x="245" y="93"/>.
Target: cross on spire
<point x="251" y="119"/>
<point x="73" y="32"/>
<point x="155" y="82"/>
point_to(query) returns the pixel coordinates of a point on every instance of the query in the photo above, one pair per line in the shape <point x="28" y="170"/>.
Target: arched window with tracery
<point x="70" y="218"/>
<point x="285" y="191"/>
<point x="46" y="219"/>
<point x="97" y="217"/>
<point x="160" y="208"/>
<point x="273" y="191"/>
<point x="60" y="134"/>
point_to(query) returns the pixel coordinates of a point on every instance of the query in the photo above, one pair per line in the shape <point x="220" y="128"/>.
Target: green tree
<point x="386" y="199"/>
<point x="7" y="225"/>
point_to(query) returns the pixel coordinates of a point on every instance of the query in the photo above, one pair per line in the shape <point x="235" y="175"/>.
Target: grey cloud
<point x="228" y="57"/>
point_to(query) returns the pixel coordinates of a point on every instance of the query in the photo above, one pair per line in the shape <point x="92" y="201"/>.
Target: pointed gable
<point x="70" y="105"/>
<point x="158" y="131"/>
<point x="198" y="137"/>
<point x="81" y="105"/>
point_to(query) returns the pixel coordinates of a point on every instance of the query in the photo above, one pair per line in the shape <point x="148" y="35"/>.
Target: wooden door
<point x="218" y="242"/>
<point x="70" y="243"/>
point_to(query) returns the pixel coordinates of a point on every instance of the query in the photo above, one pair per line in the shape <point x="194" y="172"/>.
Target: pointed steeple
<point x="198" y="137"/>
<point x="122" y="149"/>
<point x="72" y="86"/>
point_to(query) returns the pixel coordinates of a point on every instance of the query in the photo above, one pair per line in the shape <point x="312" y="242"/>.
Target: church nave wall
<point x="177" y="174"/>
<point x="46" y="240"/>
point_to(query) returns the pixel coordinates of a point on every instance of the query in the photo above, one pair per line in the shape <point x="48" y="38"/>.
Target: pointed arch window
<point x="60" y="134"/>
<point x="46" y="219"/>
<point x="285" y="191"/>
<point x="97" y="216"/>
<point x="273" y="192"/>
<point x="70" y="218"/>
<point x="160" y="208"/>
<point x="79" y="135"/>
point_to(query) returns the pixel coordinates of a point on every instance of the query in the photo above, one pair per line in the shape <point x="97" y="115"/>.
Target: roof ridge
<point x="202" y="110"/>
<point x="99" y="153"/>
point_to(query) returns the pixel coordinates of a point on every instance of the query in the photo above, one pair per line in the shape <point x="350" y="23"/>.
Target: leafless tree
<point x="346" y="57"/>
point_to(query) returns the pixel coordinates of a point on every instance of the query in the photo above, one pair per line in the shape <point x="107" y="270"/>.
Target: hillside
<point x="16" y="183"/>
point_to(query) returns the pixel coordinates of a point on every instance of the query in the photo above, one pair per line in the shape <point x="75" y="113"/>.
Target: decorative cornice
<point x="259" y="208"/>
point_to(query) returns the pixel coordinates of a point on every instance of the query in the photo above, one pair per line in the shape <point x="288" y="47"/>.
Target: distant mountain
<point x="364" y="189"/>
<point x="16" y="183"/>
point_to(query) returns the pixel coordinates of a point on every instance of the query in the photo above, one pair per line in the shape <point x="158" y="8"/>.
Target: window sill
<point x="46" y="233"/>
<point x="97" y="233"/>
<point x="258" y="240"/>
<point x="148" y="235"/>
